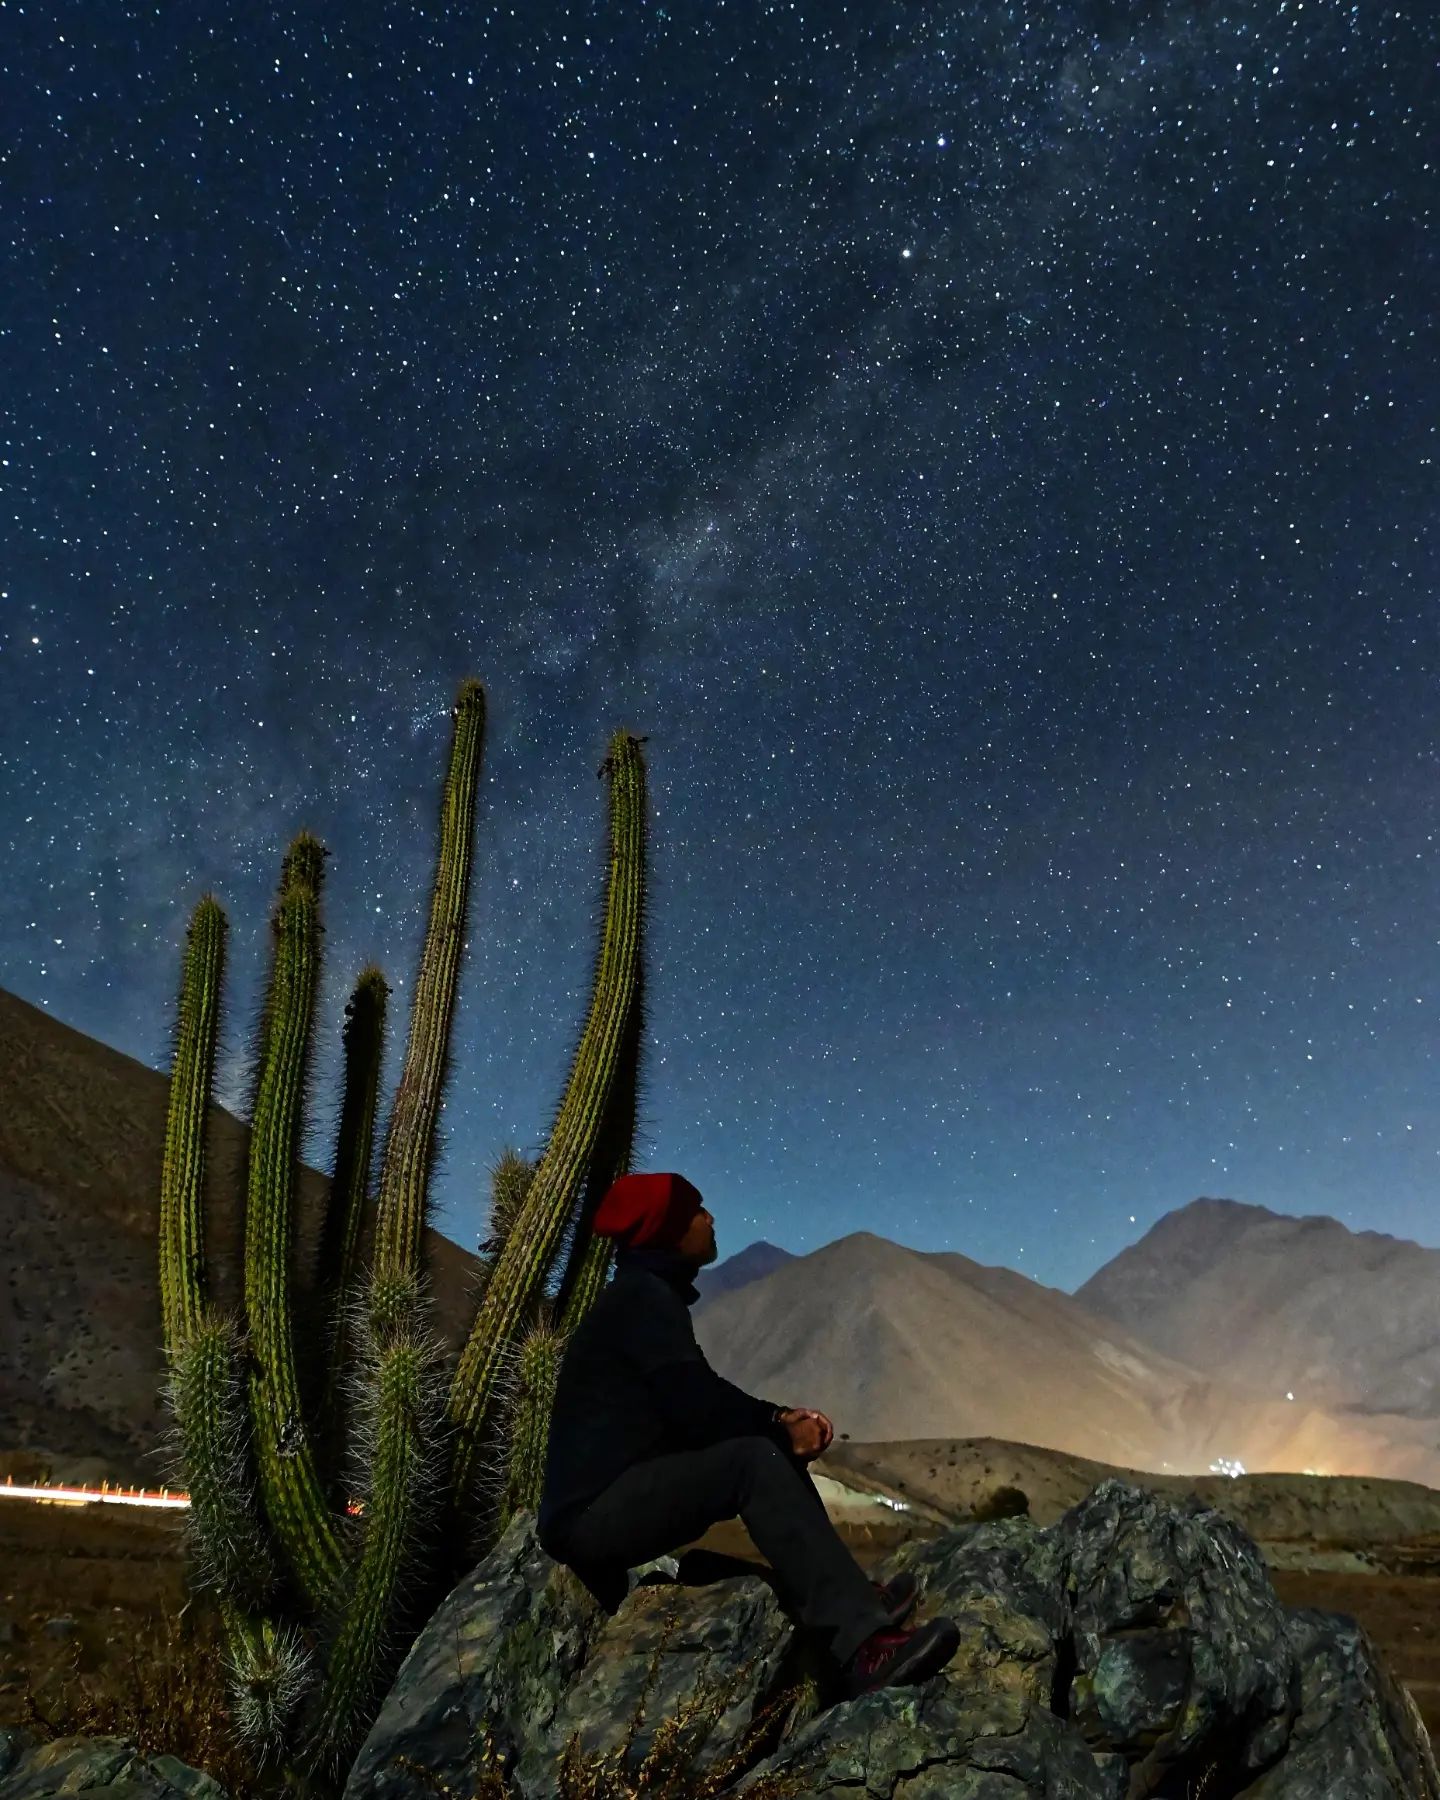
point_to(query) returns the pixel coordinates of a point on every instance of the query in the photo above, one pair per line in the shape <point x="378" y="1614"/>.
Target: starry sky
<point x="988" y="451"/>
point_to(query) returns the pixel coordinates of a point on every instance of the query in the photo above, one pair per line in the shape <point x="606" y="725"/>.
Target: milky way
<point x="989" y="453"/>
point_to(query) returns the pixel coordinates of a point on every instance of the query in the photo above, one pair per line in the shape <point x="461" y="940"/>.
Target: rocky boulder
<point x="1134" y="1648"/>
<point x="100" y="1766"/>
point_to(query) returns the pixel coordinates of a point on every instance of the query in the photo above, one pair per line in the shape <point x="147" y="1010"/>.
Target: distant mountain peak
<point x="753" y="1263"/>
<point x="1291" y="1303"/>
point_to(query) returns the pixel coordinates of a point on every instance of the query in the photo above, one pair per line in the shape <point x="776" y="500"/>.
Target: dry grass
<point x="667" y="1770"/>
<point x="163" y="1692"/>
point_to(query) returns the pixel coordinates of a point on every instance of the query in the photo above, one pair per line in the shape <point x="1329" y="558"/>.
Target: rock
<point x="1177" y="1637"/>
<point x="63" y="1627"/>
<point x="500" y="1653"/>
<point x="935" y="1742"/>
<point x="103" y="1766"/>
<point x="1359" y="1734"/>
<point x="1003" y="1583"/>
<point x="669" y="1650"/>
<point x="1134" y="1648"/>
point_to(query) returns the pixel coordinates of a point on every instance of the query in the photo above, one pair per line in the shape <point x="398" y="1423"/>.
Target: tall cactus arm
<point x="364" y="1040"/>
<point x="410" y="1136"/>
<point x="588" y="1261"/>
<point x="588" y="1092"/>
<point x="289" y="1480"/>
<point x="192" y="1073"/>
<point x="400" y="1392"/>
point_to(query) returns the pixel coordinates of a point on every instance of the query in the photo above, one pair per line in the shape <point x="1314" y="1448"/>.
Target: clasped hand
<point x="810" y="1432"/>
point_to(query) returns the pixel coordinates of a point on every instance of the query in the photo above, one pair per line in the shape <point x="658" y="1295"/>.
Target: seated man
<point x="649" y="1446"/>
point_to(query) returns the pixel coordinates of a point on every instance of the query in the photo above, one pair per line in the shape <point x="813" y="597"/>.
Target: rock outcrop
<point x="100" y="1766"/>
<point x="1134" y="1648"/>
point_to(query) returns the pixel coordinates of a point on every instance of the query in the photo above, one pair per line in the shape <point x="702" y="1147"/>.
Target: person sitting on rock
<point x="648" y="1447"/>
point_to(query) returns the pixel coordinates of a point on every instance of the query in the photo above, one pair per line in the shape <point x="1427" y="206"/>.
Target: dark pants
<point x="657" y="1505"/>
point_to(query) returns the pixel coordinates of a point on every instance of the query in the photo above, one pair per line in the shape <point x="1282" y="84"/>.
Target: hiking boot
<point x="897" y="1596"/>
<point x="895" y="1658"/>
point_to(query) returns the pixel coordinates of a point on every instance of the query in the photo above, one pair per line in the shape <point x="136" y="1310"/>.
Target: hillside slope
<point x="82" y="1132"/>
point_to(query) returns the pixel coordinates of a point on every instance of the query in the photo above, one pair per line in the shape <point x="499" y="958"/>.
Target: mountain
<point x="895" y="1343"/>
<point x="82" y="1133"/>
<point x="750" y="1264"/>
<point x="1348" y="1320"/>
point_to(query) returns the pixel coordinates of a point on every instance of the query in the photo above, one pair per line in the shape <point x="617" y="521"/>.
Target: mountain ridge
<point x="895" y="1343"/>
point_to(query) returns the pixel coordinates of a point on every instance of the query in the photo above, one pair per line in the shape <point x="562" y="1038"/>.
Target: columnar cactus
<point x="317" y="1605"/>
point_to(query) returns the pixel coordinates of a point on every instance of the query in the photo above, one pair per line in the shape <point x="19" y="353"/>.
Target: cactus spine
<point x="240" y="1408"/>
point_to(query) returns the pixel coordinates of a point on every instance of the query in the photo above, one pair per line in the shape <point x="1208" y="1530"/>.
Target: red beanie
<point x="647" y="1209"/>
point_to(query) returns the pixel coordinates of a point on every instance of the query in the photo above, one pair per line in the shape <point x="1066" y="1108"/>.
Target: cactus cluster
<point x="329" y="1451"/>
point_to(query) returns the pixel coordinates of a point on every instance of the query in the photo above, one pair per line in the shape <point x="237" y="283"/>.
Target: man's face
<point x="698" y="1243"/>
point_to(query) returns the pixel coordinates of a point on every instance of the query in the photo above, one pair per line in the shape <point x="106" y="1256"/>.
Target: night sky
<point x="988" y="450"/>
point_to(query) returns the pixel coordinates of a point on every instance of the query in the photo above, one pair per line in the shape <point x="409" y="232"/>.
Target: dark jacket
<point x="634" y="1384"/>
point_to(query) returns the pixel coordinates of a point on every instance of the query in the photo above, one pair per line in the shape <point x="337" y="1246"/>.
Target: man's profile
<point x="648" y="1447"/>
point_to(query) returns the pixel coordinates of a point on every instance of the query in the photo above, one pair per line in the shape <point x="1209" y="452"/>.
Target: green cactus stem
<point x="192" y="1076"/>
<point x="364" y="1047"/>
<point x="510" y="1180"/>
<point x="206" y="1392"/>
<point x="400" y="1408"/>
<point x="537" y="1367"/>
<point x="204" y="1387"/>
<point x="509" y="1184"/>
<point x="588" y="1261"/>
<point x="410" y="1136"/>
<point x="289" y="1479"/>
<point x="588" y="1097"/>
<point x="270" y="1670"/>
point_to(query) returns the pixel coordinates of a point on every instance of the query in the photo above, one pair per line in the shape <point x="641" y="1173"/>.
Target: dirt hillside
<point x="82" y="1132"/>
